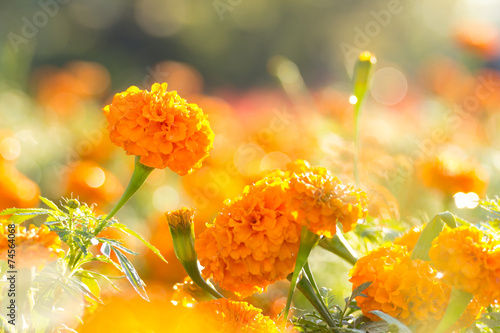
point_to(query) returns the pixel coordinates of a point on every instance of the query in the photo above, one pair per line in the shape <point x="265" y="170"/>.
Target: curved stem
<point x="339" y="246"/>
<point x="194" y="273"/>
<point x="307" y="289"/>
<point x="139" y="176"/>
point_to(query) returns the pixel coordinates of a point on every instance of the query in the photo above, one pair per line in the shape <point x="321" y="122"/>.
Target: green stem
<point x="310" y="277"/>
<point x="139" y="176"/>
<point x="459" y="300"/>
<point x="339" y="246"/>
<point x="307" y="241"/>
<point x="195" y="275"/>
<point x="307" y="289"/>
<point x="357" y="140"/>
<point x="360" y="88"/>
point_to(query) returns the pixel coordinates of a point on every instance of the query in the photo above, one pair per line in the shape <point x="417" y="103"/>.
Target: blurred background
<point x="274" y="78"/>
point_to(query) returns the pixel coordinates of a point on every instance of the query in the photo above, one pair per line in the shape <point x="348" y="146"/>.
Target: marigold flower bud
<point x="180" y="223"/>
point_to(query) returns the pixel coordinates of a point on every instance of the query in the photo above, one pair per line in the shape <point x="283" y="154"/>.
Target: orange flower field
<point x="242" y="167"/>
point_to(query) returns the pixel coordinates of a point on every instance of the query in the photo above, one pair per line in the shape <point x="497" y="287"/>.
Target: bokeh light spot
<point x="95" y="177"/>
<point x="466" y="200"/>
<point x="274" y="160"/>
<point x="389" y="86"/>
<point x="165" y="198"/>
<point x="10" y="148"/>
<point x="160" y="18"/>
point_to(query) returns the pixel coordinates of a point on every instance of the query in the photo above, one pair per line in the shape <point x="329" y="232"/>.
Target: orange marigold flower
<point x="227" y="316"/>
<point x="35" y="246"/>
<point x="253" y="242"/>
<point x="409" y="290"/>
<point x="160" y="127"/>
<point x="450" y="175"/>
<point x="16" y="190"/>
<point x="468" y="261"/>
<point x="321" y="200"/>
<point x="410" y="238"/>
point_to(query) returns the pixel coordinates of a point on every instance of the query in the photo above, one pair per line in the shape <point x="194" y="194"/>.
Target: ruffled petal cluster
<point x="409" y="290"/>
<point x="34" y="246"/>
<point x="160" y="127"/>
<point x="253" y="242"/>
<point x="469" y="262"/>
<point x="227" y="316"/>
<point x="410" y="238"/>
<point x="321" y="200"/>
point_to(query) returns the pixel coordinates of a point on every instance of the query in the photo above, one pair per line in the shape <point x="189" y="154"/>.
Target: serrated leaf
<point x="10" y="211"/>
<point x="390" y="320"/>
<point x="80" y="244"/>
<point x="18" y="218"/>
<point x="82" y="287"/>
<point x="106" y="249"/>
<point x="50" y="204"/>
<point x="97" y="274"/>
<point x="359" y="290"/>
<point x="116" y="244"/>
<point x="131" y="274"/>
<point x="150" y="246"/>
<point x="491" y="323"/>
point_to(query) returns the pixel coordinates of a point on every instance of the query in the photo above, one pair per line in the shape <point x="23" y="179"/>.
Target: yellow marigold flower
<point x="410" y="238"/>
<point x="253" y="242"/>
<point x="227" y="316"/>
<point x="160" y="127"/>
<point x="468" y="261"/>
<point x="409" y="290"/>
<point x="321" y="200"/>
<point x="35" y="246"/>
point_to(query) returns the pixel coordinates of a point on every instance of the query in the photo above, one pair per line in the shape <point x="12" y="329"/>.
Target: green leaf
<point x="390" y="320"/>
<point x="126" y="230"/>
<point x="359" y="290"/>
<point x="116" y="244"/>
<point x="131" y="274"/>
<point x="81" y="245"/>
<point x="106" y="249"/>
<point x="50" y="204"/>
<point x="94" y="275"/>
<point x="20" y="215"/>
<point x="82" y="287"/>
